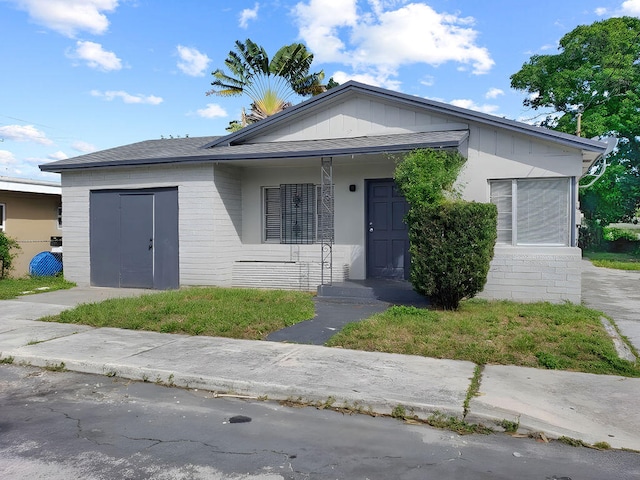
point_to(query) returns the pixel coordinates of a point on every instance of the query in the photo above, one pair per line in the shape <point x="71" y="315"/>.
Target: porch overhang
<point x="278" y="150"/>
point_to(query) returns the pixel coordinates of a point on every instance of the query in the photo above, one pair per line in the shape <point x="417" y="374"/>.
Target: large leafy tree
<point x="270" y="84"/>
<point x="592" y="87"/>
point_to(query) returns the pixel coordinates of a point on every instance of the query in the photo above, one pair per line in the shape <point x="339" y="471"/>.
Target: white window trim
<point x="3" y="209"/>
<point x="570" y="240"/>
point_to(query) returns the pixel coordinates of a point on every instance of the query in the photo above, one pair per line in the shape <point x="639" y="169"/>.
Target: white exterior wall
<point x="355" y="117"/>
<point x="349" y="219"/>
<point x="523" y="273"/>
<point x="209" y="210"/>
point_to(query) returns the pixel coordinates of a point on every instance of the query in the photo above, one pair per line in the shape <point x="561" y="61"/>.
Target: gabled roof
<point x="351" y="87"/>
<point x="242" y="145"/>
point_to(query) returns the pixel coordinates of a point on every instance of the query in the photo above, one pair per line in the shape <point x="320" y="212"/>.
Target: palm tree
<point x="270" y="84"/>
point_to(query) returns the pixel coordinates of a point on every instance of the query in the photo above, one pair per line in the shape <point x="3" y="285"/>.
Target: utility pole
<point x="579" y="124"/>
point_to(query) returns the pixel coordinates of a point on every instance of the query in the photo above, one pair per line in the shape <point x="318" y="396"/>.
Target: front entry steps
<point x="372" y="291"/>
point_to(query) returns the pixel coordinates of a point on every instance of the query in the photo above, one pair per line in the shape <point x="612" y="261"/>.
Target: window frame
<point x="268" y="196"/>
<point x="515" y="240"/>
<point x="3" y="209"/>
<point x="59" y="217"/>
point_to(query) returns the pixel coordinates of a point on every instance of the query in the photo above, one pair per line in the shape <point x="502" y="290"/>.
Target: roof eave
<point x="325" y="152"/>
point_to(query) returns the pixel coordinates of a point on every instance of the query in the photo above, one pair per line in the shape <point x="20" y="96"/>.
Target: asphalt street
<point x="65" y="425"/>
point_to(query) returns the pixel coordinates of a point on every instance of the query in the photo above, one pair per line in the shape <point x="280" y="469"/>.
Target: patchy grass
<point x="542" y="335"/>
<point x="618" y="261"/>
<point x="15" y="287"/>
<point x="221" y="312"/>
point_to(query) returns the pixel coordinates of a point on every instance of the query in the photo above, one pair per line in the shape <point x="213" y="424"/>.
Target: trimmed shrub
<point x="7" y="244"/>
<point x="451" y="248"/>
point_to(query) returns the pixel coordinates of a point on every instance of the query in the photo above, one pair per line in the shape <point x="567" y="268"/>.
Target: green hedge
<point x="452" y="246"/>
<point x="615" y="233"/>
<point x="7" y="244"/>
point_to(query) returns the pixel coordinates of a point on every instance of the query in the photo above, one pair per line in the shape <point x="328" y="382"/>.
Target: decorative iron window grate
<point x="298" y="210"/>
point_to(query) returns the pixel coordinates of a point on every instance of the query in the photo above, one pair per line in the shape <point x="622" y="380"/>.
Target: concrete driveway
<point x="616" y="293"/>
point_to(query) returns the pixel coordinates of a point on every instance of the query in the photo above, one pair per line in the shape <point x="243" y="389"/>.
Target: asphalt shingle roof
<point x="192" y="149"/>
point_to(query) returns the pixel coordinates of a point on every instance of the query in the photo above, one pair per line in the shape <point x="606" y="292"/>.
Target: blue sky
<point x="85" y="75"/>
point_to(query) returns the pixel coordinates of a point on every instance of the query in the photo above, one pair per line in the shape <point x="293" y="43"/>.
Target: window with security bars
<point x="1" y="217"/>
<point x="293" y="214"/>
<point x="533" y="211"/>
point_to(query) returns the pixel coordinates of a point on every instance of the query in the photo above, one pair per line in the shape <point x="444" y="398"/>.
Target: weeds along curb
<point x="473" y="390"/>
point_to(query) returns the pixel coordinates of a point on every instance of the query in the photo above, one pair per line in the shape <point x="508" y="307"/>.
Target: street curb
<point x="259" y="390"/>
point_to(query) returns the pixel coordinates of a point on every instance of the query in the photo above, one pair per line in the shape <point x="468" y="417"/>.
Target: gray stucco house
<point x="306" y="197"/>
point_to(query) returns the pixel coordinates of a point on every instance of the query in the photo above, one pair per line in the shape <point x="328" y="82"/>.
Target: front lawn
<point x="16" y="287"/>
<point x="221" y="312"/>
<point x="619" y="261"/>
<point x="542" y="335"/>
<point x="566" y="337"/>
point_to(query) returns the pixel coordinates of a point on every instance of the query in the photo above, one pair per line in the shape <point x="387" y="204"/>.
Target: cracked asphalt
<point x="65" y="425"/>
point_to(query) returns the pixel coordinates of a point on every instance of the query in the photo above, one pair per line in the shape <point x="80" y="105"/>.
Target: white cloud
<point x="248" y="14"/>
<point x="388" y="37"/>
<point x="7" y="158"/>
<point x="70" y="16"/>
<point x="192" y="62"/>
<point x="377" y="80"/>
<point x="127" y="97"/>
<point x="631" y="7"/>
<point x="212" y="110"/>
<point x="494" y="93"/>
<point x="59" y="155"/>
<point x="319" y="22"/>
<point x="471" y="105"/>
<point x="428" y="80"/>
<point x="83" y="147"/>
<point x="601" y="11"/>
<point x="96" y="57"/>
<point x="24" y="133"/>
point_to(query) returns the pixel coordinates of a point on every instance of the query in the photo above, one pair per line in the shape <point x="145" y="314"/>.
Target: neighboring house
<point x="31" y="213"/>
<point x="306" y="197"/>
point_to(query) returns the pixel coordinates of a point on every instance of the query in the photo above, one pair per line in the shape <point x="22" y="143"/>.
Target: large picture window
<point x="2" y="217"/>
<point x="533" y="211"/>
<point x="291" y="213"/>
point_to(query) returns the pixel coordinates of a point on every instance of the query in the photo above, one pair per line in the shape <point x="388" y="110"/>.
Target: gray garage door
<point x="134" y="238"/>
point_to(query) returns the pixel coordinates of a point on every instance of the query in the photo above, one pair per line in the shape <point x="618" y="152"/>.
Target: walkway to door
<point x="343" y="303"/>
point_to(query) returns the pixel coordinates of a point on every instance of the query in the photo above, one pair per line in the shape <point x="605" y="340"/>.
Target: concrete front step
<point x="394" y="292"/>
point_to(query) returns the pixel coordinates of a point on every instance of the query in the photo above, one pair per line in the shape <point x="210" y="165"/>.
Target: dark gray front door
<point x="136" y="240"/>
<point x="387" y="234"/>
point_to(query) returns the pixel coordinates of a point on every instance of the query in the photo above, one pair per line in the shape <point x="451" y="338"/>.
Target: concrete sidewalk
<point x="592" y="408"/>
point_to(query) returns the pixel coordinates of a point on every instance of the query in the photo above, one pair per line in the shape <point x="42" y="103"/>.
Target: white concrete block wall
<point x="296" y="267"/>
<point x="75" y="230"/>
<point x="209" y="218"/>
<point x="535" y="274"/>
